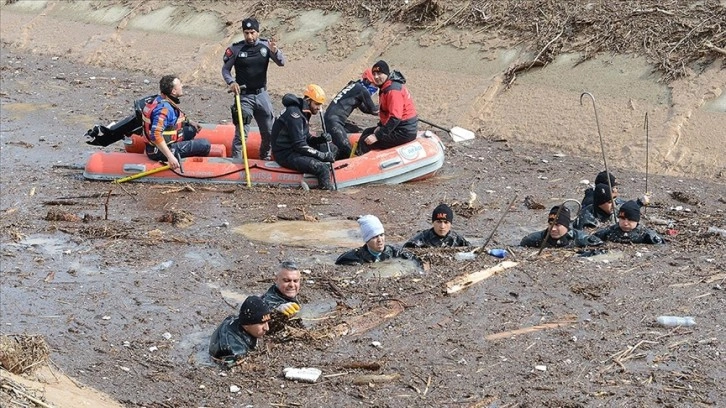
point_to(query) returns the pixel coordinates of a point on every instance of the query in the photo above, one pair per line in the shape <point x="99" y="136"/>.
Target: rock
<point x="234" y="389"/>
<point x="532" y="204"/>
<point x="685" y="197"/>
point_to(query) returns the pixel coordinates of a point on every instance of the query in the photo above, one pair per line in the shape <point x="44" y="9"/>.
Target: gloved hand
<point x="289" y="309"/>
<point x="327" y="137"/>
<point x="326" y="157"/>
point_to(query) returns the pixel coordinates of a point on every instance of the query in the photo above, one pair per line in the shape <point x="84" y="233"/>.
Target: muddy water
<point x="325" y="233"/>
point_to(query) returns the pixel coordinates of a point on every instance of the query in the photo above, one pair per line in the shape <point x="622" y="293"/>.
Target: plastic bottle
<point x="672" y="321"/>
<point x="497" y="252"/>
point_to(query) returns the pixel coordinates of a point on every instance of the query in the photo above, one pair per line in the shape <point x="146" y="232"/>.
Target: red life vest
<point x="172" y="133"/>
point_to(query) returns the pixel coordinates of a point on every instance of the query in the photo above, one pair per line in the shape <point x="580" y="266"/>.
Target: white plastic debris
<point x="166" y="335"/>
<point x="376" y="344"/>
<point x="540" y="367"/>
<point x="233" y="388"/>
<point x="106" y="318"/>
<point x="305" y="374"/>
<point x="281" y="205"/>
<point x="124" y="368"/>
<point x="584" y="182"/>
<point x="153" y="348"/>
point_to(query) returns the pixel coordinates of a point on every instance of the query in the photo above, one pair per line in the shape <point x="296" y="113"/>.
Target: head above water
<point x="287" y="279"/>
<point x="559" y="224"/>
<point x="373" y="233"/>
<point x="254" y="315"/>
<point x="441" y="218"/>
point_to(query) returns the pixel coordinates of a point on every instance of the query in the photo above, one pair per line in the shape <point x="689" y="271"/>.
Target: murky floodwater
<point x="327" y="233"/>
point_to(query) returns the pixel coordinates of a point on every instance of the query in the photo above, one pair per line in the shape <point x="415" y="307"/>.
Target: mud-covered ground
<point x="102" y="293"/>
<point x="127" y="301"/>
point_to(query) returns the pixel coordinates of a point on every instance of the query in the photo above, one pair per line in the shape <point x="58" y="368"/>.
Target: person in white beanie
<point x="375" y="248"/>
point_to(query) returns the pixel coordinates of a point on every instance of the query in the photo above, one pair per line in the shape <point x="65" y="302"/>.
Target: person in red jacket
<point x="398" y="122"/>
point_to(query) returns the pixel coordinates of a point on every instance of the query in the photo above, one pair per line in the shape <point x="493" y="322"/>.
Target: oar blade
<point x="460" y="134"/>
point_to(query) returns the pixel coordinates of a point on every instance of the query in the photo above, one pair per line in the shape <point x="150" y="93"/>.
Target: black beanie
<point x="602" y="194"/>
<point x="602" y="178"/>
<point x="251" y="24"/>
<point x="382" y="67"/>
<point x="630" y="211"/>
<point x="563" y="219"/>
<point x="442" y="212"/>
<point x="254" y="310"/>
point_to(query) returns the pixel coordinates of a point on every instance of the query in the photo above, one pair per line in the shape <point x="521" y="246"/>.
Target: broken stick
<point x="462" y="282"/>
<point x="525" y="330"/>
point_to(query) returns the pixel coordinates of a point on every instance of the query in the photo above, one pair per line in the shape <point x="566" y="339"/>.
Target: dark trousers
<point x="398" y="137"/>
<point x="307" y="164"/>
<point x="340" y="139"/>
<point x="188" y="147"/>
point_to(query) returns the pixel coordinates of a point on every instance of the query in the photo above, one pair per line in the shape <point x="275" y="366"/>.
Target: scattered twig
<point x="105" y="205"/>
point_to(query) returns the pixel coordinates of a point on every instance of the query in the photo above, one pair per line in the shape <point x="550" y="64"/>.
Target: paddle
<point x="457" y="134"/>
<point x="151" y="171"/>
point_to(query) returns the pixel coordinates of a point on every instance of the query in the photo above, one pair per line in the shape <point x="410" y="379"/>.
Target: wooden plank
<point x="462" y="282"/>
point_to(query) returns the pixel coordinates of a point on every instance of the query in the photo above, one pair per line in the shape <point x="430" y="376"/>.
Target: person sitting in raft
<point x="560" y="233"/>
<point x="238" y="335"/>
<point x="167" y="130"/>
<point x="440" y="234"/>
<point x="628" y="230"/>
<point x="292" y="143"/>
<point x="398" y="121"/>
<point x="375" y="248"/>
<point x="357" y="94"/>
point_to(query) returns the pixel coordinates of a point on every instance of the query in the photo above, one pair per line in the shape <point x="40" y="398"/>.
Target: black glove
<point x="328" y="138"/>
<point x="326" y="157"/>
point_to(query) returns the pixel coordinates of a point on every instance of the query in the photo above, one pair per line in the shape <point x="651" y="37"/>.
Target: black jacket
<point x="361" y="255"/>
<point x="640" y="235"/>
<point x="428" y="238"/>
<point x="573" y="238"/>
<point x="291" y="132"/>
<point x="354" y="95"/>
<point x="230" y="341"/>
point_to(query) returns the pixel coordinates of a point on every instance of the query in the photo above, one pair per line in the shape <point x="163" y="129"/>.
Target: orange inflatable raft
<point x="416" y="160"/>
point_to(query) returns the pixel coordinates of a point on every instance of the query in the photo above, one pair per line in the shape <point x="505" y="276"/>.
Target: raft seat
<point x="217" y="150"/>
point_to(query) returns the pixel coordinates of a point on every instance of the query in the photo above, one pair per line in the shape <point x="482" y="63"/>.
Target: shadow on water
<point x="331" y="233"/>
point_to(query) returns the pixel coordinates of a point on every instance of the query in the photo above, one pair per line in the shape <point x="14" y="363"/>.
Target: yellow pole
<point x="242" y="138"/>
<point x="142" y="174"/>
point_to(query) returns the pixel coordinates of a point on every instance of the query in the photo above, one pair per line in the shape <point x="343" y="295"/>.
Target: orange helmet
<point x="368" y="75"/>
<point x="315" y="93"/>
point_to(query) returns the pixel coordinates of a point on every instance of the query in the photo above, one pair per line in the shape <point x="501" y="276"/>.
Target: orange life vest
<point x="171" y="133"/>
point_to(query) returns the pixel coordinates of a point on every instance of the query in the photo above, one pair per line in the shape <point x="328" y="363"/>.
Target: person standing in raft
<point x="357" y="94"/>
<point x="167" y="130"/>
<point x="291" y="139"/>
<point x="440" y="234"/>
<point x="398" y="122"/>
<point x="238" y="335"/>
<point x="250" y="59"/>
<point x="375" y="248"/>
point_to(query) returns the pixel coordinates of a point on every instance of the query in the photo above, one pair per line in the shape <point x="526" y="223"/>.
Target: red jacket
<point x="396" y="104"/>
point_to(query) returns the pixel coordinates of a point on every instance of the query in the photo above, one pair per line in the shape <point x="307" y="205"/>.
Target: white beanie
<point x="370" y="227"/>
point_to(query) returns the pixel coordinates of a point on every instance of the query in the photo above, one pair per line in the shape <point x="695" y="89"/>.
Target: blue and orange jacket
<point x="163" y="120"/>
